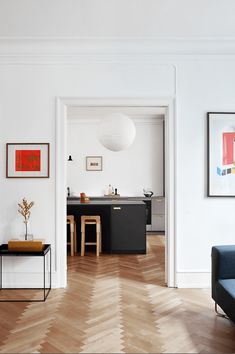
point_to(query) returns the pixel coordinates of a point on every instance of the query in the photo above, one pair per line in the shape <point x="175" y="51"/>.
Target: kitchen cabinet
<point x="158" y="214"/>
<point x="155" y="209"/>
<point x="128" y="228"/>
<point x="123" y="223"/>
<point x="148" y="214"/>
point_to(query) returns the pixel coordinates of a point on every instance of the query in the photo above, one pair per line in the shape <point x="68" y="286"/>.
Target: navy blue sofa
<point x="223" y="279"/>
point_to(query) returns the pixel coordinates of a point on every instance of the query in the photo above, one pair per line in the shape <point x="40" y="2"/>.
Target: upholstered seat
<point x="223" y="279"/>
<point x="229" y="286"/>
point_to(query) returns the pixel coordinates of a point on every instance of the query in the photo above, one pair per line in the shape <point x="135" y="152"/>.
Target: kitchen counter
<point x="105" y="202"/>
<point x="123" y="223"/>
<point x="113" y="197"/>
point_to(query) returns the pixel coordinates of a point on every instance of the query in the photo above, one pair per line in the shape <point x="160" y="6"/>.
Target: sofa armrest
<point x="223" y="262"/>
<point x="223" y="266"/>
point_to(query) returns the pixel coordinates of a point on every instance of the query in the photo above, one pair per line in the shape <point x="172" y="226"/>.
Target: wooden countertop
<point x="105" y="202"/>
<point x="115" y="198"/>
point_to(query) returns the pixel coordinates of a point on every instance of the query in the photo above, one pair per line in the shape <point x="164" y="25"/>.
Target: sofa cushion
<point x="225" y="296"/>
<point x="229" y="286"/>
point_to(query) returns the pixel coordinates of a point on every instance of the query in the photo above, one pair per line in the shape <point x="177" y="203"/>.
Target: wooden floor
<point x="117" y="304"/>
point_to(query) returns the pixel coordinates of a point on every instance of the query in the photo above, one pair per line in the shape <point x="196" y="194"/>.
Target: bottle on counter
<point x="106" y="191"/>
<point x="110" y="189"/>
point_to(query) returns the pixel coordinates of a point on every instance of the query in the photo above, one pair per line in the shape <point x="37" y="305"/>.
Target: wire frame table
<point x="44" y="254"/>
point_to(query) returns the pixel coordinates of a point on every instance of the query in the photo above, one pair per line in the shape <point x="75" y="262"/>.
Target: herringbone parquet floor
<point x="117" y="304"/>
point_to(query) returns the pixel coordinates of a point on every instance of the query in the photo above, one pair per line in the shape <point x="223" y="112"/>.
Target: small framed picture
<point x="27" y="160"/>
<point x="94" y="163"/>
<point x="221" y="154"/>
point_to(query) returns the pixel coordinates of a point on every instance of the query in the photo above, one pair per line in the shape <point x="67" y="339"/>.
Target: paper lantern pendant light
<point x="116" y="132"/>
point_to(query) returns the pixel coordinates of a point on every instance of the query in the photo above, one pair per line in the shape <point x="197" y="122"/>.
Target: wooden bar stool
<point x="91" y="220"/>
<point x="73" y="234"/>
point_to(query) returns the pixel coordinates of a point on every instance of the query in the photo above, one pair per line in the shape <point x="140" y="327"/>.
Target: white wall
<point x="140" y="166"/>
<point x="194" y="72"/>
<point x="202" y="222"/>
<point x="27" y="114"/>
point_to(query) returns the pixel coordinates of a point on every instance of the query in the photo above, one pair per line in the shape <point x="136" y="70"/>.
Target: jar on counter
<point x="82" y="197"/>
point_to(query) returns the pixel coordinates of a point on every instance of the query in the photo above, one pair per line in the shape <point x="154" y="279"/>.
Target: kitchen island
<point x="123" y="223"/>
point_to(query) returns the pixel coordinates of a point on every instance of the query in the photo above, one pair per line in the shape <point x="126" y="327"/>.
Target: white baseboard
<point x="193" y="279"/>
<point x="28" y="280"/>
<point x="31" y="280"/>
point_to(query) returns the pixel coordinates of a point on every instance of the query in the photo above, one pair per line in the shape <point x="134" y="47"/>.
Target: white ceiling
<point x="117" y="18"/>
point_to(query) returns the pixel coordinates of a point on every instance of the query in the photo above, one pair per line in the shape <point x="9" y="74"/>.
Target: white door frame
<point x="61" y="176"/>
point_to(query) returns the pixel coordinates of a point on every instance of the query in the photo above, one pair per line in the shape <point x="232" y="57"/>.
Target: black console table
<point x="4" y="252"/>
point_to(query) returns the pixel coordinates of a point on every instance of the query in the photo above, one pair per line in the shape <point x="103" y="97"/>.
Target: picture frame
<point x="221" y="154"/>
<point x="94" y="163"/>
<point x="27" y="160"/>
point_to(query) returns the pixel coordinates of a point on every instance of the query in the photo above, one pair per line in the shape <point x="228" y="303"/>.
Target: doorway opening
<point x="163" y="110"/>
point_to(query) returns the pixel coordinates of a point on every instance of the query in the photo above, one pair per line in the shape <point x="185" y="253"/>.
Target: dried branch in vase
<point x="24" y="210"/>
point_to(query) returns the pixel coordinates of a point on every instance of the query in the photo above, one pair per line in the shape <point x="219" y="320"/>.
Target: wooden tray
<point x="25" y="246"/>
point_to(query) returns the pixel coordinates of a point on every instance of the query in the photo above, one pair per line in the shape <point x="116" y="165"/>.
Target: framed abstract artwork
<point x="221" y="154"/>
<point x="27" y="160"/>
<point x="94" y="163"/>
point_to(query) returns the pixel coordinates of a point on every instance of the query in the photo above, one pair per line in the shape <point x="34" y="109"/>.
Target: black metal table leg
<point x="49" y="288"/>
<point x="44" y="278"/>
<point x="1" y="274"/>
<point x="50" y="268"/>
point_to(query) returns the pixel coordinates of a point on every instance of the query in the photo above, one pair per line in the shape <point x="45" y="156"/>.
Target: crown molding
<point x="137" y="120"/>
<point x="70" y="50"/>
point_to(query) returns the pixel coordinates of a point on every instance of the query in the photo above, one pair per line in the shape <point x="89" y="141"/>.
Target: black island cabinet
<point x="123" y="224"/>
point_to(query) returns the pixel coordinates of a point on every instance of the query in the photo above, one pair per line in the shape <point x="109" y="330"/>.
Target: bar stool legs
<point x="83" y="226"/>
<point x="91" y="220"/>
<point x="73" y="234"/>
<point x="97" y="240"/>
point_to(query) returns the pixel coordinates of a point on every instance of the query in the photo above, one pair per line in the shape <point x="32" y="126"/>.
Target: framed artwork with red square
<point x="27" y="160"/>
